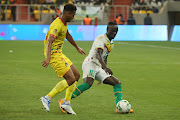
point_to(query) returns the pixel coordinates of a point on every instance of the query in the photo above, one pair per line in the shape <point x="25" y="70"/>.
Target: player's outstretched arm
<point x="105" y="61"/>
<point x="71" y="40"/>
<point x="103" y="64"/>
<point x="50" y="40"/>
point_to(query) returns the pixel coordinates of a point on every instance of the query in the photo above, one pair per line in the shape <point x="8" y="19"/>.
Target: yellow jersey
<point x="57" y="30"/>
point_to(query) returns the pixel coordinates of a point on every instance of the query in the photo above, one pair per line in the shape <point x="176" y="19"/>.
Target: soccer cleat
<point x="131" y="111"/>
<point x="60" y="103"/>
<point x="67" y="108"/>
<point x="45" y="103"/>
<point x="116" y="111"/>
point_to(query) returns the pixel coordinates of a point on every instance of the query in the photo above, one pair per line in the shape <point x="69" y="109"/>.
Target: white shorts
<point x="91" y="69"/>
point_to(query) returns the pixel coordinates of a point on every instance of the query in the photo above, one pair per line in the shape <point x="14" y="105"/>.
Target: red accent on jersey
<point x="107" y="48"/>
<point x="53" y="36"/>
<point x="62" y="22"/>
<point x="46" y="37"/>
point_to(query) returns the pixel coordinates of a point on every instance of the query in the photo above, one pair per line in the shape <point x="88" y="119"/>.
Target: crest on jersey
<point x="55" y="30"/>
<point x="66" y="64"/>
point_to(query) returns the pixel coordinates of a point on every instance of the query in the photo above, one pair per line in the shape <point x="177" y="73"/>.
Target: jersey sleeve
<point x="54" y="30"/>
<point x="99" y="43"/>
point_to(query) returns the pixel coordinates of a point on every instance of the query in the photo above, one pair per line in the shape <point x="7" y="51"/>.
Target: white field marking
<point x="144" y="63"/>
<point x="154" y="46"/>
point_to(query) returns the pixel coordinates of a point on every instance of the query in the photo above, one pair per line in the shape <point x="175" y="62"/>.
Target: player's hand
<point x="108" y="70"/>
<point x="45" y="63"/>
<point x="80" y="50"/>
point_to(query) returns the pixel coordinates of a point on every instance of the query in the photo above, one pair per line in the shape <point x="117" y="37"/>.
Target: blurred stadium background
<point x="34" y="16"/>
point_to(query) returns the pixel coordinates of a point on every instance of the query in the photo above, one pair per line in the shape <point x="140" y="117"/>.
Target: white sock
<point x="67" y="102"/>
<point x="48" y="97"/>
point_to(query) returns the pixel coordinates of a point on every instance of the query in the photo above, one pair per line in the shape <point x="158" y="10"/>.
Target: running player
<point x="95" y="64"/>
<point x="53" y="44"/>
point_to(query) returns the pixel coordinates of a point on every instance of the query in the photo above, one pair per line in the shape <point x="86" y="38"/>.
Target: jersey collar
<point x="62" y="21"/>
<point x="107" y="38"/>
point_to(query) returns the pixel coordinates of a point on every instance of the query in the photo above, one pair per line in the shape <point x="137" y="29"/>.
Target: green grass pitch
<point x="149" y="72"/>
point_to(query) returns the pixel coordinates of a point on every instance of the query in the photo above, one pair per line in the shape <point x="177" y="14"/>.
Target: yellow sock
<point x="70" y="90"/>
<point x="58" y="88"/>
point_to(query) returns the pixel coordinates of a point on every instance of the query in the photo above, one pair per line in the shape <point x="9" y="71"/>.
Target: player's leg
<point x="111" y="80"/>
<point x="88" y="77"/>
<point x="65" y="104"/>
<point x="106" y="78"/>
<point x="79" y="90"/>
<point x="62" y="85"/>
<point x="61" y="69"/>
<point x="71" y="88"/>
<point x="88" y="81"/>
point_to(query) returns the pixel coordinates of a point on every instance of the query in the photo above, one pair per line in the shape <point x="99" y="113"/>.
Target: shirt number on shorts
<point x="91" y="73"/>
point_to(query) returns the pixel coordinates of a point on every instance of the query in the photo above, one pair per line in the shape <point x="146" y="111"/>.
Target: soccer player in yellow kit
<point x="53" y="44"/>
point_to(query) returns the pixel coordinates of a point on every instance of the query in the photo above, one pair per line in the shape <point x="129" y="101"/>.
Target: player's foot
<point x="60" y="103"/>
<point x="67" y="108"/>
<point x="116" y="111"/>
<point x="45" y="103"/>
<point x="131" y="111"/>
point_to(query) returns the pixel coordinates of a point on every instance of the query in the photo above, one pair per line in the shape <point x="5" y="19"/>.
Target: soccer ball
<point x="123" y="106"/>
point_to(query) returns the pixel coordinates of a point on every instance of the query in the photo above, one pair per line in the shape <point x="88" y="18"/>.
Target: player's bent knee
<point x="118" y="82"/>
<point x="89" y="81"/>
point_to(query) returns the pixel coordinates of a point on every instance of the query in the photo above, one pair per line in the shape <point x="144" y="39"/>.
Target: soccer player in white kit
<point x="95" y="64"/>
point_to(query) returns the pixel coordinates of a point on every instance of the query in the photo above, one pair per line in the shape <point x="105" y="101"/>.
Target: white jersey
<point x="101" y="42"/>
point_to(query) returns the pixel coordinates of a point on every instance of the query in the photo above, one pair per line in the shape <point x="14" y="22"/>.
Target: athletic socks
<point x="80" y="89"/>
<point x="48" y="97"/>
<point x="70" y="90"/>
<point x="117" y="93"/>
<point x="62" y="85"/>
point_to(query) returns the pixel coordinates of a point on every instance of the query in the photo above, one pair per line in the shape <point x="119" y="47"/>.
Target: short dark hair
<point x="112" y="23"/>
<point x="70" y="8"/>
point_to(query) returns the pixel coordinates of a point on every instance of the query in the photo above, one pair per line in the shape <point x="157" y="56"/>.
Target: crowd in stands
<point x="50" y="1"/>
<point x="53" y="6"/>
<point x="60" y="2"/>
<point x="10" y="10"/>
<point x="146" y="6"/>
<point x="49" y="6"/>
<point x="92" y="2"/>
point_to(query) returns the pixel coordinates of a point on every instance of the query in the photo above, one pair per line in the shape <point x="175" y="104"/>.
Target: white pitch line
<point x="154" y="46"/>
<point x="150" y="63"/>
